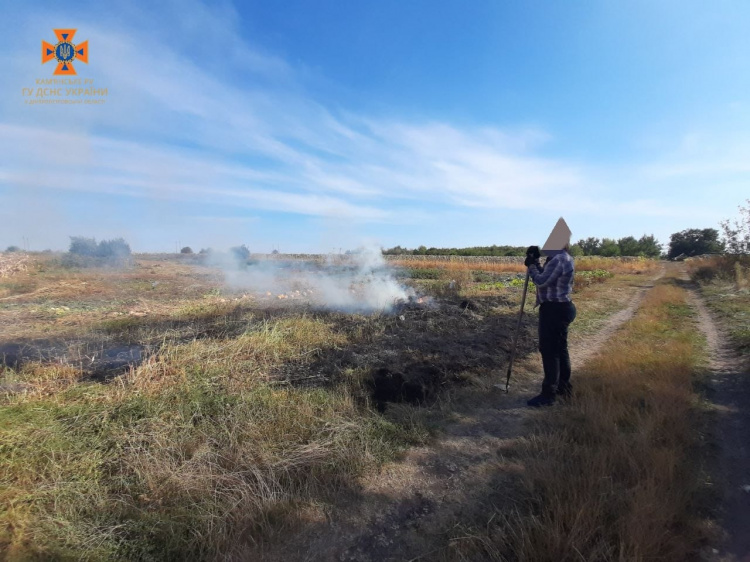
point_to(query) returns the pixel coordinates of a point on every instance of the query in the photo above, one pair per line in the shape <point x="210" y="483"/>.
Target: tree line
<point x="646" y="246"/>
<point x="734" y="239"/>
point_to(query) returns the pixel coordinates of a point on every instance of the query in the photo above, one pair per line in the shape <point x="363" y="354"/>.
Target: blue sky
<point x="308" y="126"/>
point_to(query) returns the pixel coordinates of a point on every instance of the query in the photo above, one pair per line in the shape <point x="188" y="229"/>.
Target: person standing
<point x="554" y="284"/>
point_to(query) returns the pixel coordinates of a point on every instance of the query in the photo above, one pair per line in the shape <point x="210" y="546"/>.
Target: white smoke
<point x="357" y="282"/>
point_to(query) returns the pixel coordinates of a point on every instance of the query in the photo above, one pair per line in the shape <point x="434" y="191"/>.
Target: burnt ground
<point x="95" y="360"/>
<point x="423" y="349"/>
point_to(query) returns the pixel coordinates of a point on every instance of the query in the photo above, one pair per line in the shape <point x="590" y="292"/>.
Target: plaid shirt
<point x="554" y="280"/>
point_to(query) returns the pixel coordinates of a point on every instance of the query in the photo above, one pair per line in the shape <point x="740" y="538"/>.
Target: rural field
<point x="165" y="410"/>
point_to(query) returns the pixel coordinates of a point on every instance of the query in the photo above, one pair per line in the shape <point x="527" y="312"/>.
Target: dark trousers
<point x="554" y="319"/>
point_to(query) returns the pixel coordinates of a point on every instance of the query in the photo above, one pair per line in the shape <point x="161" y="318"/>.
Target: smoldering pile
<point x="361" y="282"/>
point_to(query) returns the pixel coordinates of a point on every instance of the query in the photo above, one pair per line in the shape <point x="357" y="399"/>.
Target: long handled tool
<point x="534" y="255"/>
<point x="518" y="331"/>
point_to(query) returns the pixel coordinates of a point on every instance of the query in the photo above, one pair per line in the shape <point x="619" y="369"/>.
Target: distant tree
<point x="694" y="242"/>
<point x="12" y="249"/>
<point x="737" y="232"/>
<point x="116" y="248"/>
<point x="649" y="246"/>
<point x="275" y="252"/>
<point x="83" y="246"/>
<point x="186" y="250"/>
<point x="240" y="252"/>
<point x="609" y="248"/>
<point x="395" y="251"/>
<point x="576" y="251"/>
<point x="628" y="246"/>
<point x="205" y="251"/>
<point x="590" y="246"/>
<point x="113" y="250"/>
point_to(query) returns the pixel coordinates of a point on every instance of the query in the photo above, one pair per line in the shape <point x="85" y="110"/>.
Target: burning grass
<point x="612" y="475"/>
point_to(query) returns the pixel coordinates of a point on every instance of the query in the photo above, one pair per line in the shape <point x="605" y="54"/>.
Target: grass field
<point x="153" y="413"/>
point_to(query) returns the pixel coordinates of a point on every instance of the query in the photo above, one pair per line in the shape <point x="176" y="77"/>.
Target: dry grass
<point x="613" y="265"/>
<point x="12" y="263"/>
<point x="735" y="269"/>
<point x="610" y="475"/>
<point x="460" y="265"/>
<point x="616" y="265"/>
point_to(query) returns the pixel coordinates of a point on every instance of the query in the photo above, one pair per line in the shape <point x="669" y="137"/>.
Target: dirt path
<point x="583" y="351"/>
<point x="407" y="510"/>
<point x="729" y="390"/>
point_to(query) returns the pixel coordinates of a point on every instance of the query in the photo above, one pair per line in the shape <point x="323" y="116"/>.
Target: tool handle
<point x="518" y="329"/>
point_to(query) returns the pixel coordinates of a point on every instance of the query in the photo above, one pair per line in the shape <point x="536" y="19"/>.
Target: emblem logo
<point x="65" y="52"/>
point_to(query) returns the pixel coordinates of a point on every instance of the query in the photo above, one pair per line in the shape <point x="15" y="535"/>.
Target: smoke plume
<point x="357" y="282"/>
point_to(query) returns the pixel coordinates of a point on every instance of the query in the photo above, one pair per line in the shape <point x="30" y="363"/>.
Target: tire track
<point x="588" y="348"/>
<point x="729" y="390"/>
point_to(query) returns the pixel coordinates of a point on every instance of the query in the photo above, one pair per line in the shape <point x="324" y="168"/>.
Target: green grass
<point x="426" y="273"/>
<point x="193" y="452"/>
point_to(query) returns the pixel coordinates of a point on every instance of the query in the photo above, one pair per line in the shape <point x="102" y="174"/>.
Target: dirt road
<point x="729" y="390"/>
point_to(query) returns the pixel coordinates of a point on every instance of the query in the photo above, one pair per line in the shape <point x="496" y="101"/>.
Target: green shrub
<point x="88" y="247"/>
<point x="426" y="273"/>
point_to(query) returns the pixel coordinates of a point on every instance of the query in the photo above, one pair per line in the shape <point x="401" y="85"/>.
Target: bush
<point x="426" y="273"/>
<point x="705" y="274"/>
<point x="82" y="246"/>
<point x="85" y="252"/>
<point x="117" y="248"/>
<point x="737" y="232"/>
<point x="88" y="247"/>
<point x="12" y="249"/>
<point x="730" y="268"/>
<point x="186" y="250"/>
<point x="241" y="253"/>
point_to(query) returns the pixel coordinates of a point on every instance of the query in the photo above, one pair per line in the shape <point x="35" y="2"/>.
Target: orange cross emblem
<point x="65" y="52"/>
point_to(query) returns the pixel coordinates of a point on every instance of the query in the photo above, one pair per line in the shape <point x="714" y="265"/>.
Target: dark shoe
<point x="541" y="400"/>
<point x="565" y="391"/>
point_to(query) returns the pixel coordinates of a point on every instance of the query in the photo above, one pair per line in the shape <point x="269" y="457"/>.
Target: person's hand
<point x="532" y="256"/>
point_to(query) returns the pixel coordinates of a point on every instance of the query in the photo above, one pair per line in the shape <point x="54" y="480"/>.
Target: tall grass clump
<point x="611" y="474"/>
<point x="730" y="268"/>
